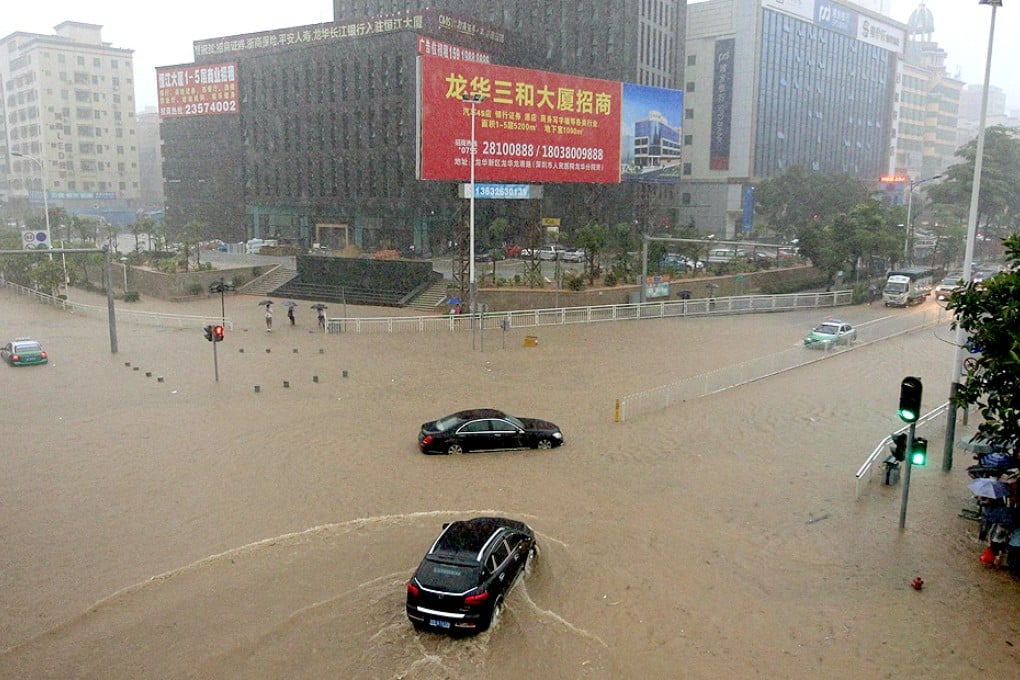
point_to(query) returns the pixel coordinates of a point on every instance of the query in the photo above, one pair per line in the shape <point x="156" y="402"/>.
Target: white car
<point x="574" y="255"/>
<point x="550" y="252"/>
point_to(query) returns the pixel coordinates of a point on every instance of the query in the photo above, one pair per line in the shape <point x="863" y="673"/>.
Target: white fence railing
<point x="123" y="315"/>
<point x="923" y="424"/>
<point x="559" y="316"/>
<point x="664" y="396"/>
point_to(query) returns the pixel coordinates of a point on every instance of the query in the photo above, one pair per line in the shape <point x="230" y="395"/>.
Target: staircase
<point x="431" y="297"/>
<point x="268" y="282"/>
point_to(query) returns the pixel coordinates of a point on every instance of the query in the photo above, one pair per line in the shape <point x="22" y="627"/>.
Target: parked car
<point x="462" y="583"/>
<point x="675" y="261"/>
<point x="574" y="255"/>
<point x="483" y="255"/>
<point x="486" y="429"/>
<point x="550" y="252"/>
<point x="23" y="352"/>
<point x="829" y="333"/>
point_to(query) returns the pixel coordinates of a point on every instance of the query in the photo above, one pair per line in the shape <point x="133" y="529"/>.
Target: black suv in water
<point x="460" y="585"/>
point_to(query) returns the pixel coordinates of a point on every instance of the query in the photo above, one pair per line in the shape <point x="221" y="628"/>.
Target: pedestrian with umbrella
<point x="321" y="310"/>
<point x="290" y="305"/>
<point x="268" y="304"/>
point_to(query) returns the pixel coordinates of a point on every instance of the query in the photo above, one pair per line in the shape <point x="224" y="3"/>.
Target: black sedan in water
<point x="460" y="586"/>
<point x="486" y="429"/>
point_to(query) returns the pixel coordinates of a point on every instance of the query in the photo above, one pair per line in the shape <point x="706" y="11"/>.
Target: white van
<point x="718" y="255"/>
<point x="253" y="246"/>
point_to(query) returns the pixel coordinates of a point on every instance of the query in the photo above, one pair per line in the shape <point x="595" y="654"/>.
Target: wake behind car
<point x="829" y="333"/>
<point x="461" y="584"/>
<point x="23" y="352"/>
<point x="487" y="429"/>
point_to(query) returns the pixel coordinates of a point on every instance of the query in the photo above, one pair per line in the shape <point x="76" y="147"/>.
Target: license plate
<point x="436" y="623"/>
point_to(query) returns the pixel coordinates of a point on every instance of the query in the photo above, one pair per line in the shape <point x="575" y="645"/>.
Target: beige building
<point x="68" y="122"/>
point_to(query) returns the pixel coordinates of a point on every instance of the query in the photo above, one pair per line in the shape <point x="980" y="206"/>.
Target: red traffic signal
<point x="217" y="332"/>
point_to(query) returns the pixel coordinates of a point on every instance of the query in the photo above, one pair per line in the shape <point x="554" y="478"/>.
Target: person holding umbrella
<point x="269" y="314"/>
<point x="290" y="311"/>
<point x="321" y="310"/>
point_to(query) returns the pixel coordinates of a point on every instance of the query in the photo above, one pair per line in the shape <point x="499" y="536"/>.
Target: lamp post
<point x="907" y="251"/>
<point x="45" y="194"/>
<point x="975" y="190"/>
<point x="474" y="99"/>
<point x="123" y="263"/>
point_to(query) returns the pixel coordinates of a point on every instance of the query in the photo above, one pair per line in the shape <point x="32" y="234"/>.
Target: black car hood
<point x="538" y="424"/>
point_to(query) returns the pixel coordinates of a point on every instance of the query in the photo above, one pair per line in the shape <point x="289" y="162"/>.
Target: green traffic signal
<point x="910" y="399"/>
<point x="919" y="452"/>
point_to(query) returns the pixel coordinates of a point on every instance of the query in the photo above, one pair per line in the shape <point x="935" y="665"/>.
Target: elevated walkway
<point x="268" y="283"/>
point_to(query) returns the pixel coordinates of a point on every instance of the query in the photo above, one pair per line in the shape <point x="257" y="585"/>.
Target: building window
<point x="687" y="168"/>
<point x="685" y="199"/>
<point x="689" y="114"/>
<point x="690" y="86"/>
<point x="692" y="60"/>
<point x="688" y="140"/>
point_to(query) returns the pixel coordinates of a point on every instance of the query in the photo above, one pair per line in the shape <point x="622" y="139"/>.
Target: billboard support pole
<point x="472" y="99"/>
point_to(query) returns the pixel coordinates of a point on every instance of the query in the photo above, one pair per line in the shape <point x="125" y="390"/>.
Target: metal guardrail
<point x="559" y="316"/>
<point x="123" y="315"/>
<point x="863" y="476"/>
<point x="664" y="396"/>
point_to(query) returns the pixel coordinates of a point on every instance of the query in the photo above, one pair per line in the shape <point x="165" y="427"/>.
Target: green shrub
<point x="256" y="272"/>
<point x="610" y="279"/>
<point x="131" y="296"/>
<point x="195" y="288"/>
<point x="573" y="281"/>
<point x="238" y="280"/>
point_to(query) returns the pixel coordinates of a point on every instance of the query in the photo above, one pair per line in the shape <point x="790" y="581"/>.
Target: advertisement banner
<point x="651" y="139"/>
<point x="722" y="106"/>
<point x="880" y="34"/>
<point x="530" y="126"/>
<point x="197" y="90"/>
<point x="836" y="18"/>
<point x="802" y="9"/>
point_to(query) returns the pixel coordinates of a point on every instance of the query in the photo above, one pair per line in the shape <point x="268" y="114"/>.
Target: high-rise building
<point x="323" y="137"/>
<point x="774" y="84"/>
<point x="926" y="113"/>
<point x="150" y="161"/>
<point x="68" y="110"/>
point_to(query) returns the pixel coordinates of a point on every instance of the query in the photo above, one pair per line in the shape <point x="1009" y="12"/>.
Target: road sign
<point x="31" y="240"/>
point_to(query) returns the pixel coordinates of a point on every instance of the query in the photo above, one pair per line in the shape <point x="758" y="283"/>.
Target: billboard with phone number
<point x="197" y="90"/>
<point x="532" y="126"/>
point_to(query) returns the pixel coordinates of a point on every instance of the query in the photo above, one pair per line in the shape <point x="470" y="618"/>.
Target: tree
<point x="989" y="312"/>
<point x="999" y="198"/>
<point x="797" y="199"/>
<point x="594" y="238"/>
<point x="47" y="275"/>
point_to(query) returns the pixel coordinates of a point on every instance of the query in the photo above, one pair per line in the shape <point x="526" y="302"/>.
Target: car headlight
<point x="558" y="435"/>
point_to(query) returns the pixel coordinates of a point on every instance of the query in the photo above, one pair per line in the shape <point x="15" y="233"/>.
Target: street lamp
<point x="473" y="99"/>
<point x="123" y="263"/>
<point x="907" y="254"/>
<point x="45" y="194"/>
<point x="975" y="190"/>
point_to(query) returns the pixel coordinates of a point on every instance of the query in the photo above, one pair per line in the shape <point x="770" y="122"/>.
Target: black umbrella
<point x="319" y="305"/>
<point x="290" y="303"/>
<point x="266" y="303"/>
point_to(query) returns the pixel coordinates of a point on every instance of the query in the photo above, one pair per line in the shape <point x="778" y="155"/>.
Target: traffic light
<point x="898" y="446"/>
<point x="919" y="452"/>
<point x="910" y="399"/>
<point x="218" y="333"/>
<point x="209" y="333"/>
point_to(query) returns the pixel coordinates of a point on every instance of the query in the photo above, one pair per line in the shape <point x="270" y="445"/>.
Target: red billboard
<point x="197" y="90"/>
<point x="530" y="126"/>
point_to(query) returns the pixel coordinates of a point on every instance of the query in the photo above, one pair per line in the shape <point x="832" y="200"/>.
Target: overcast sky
<point x="161" y="35"/>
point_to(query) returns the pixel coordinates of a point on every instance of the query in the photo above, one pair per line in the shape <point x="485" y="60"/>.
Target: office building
<point x="68" y="112"/>
<point x="322" y="143"/>
<point x="773" y="84"/>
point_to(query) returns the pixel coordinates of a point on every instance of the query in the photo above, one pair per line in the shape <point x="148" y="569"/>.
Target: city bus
<point x="908" y="285"/>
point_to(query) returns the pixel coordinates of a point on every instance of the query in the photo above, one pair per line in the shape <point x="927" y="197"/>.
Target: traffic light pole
<point x="906" y="475"/>
<point x="215" y="362"/>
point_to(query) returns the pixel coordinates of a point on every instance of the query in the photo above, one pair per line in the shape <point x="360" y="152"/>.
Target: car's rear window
<point x="449" y="422"/>
<point x="452" y="578"/>
<point x="27" y="347"/>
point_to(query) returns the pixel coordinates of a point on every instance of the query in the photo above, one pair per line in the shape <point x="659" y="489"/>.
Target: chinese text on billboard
<point x="197" y="90"/>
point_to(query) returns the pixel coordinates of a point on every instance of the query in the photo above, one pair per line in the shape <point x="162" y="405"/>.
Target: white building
<point x="67" y="107"/>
